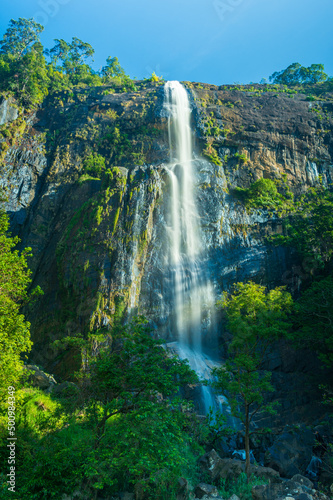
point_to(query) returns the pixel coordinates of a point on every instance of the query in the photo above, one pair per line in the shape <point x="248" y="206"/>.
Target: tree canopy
<point x="126" y="424"/>
<point x="15" y="278"/>
<point x="310" y="228"/>
<point x="256" y="319"/>
<point x="20" y="36"/>
<point x="298" y="74"/>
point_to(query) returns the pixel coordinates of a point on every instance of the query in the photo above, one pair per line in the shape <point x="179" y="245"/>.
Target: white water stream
<point x="193" y="294"/>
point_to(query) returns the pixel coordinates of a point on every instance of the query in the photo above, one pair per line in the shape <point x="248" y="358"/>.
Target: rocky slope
<point x="99" y="246"/>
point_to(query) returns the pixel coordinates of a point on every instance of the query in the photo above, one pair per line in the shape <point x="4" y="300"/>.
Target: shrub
<point x="94" y="164"/>
<point x="263" y="193"/>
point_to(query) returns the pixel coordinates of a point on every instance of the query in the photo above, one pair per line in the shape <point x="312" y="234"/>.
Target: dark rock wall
<point x="99" y="247"/>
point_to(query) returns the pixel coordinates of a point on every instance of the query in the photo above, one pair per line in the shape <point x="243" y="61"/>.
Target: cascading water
<point x="192" y="291"/>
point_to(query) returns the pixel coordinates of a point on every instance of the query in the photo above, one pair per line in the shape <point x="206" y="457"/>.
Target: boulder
<point x="291" y="452"/>
<point x="8" y="112"/>
<point x="287" y="490"/>
<point x="183" y="488"/>
<point x="211" y="464"/>
<point x="303" y="481"/>
<point x="204" y="489"/>
<point x="40" y="379"/>
<point x="126" y="496"/>
<point x="228" y="468"/>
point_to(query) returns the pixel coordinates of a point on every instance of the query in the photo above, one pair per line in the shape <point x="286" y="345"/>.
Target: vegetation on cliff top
<point x="25" y="72"/>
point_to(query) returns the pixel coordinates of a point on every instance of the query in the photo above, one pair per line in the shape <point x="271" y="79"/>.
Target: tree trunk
<point x="247" y="443"/>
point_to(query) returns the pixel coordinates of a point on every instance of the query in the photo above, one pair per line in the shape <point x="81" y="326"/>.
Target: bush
<point x="241" y="487"/>
<point x="263" y="193"/>
<point x="94" y="164"/>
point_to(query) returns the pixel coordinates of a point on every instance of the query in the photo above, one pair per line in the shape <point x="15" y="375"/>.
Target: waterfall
<point x="191" y="290"/>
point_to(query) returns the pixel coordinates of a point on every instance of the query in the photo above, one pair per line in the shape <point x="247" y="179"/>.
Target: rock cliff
<point x="99" y="245"/>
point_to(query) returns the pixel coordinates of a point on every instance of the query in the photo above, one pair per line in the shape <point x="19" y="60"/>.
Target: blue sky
<point x="213" y="41"/>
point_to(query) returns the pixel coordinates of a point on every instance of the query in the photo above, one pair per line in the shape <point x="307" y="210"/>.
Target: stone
<point x="234" y="497"/>
<point x="39" y="378"/>
<point x="126" y="496"/>
<point x="8" y="112"/>
<point x="291" y="452"/>
<point x="230" y="469"/>
<point x="182" y="489"/>
<point x="211" y="464"/>
<point x="204" y="489"/>
<point x="302" y="480"/>
<point x="291" y="490"/>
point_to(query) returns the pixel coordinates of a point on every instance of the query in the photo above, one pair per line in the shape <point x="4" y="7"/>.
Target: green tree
<point x="20" y="36"/>
<point x="23" y="67"/>
<point x="263" y="193"/>
<point x="314" y="319"/>
<point x="94" y="164"/>
<point x="298" y="74"/>
<point x="113" y="69"/>
<point x="256" y="320"/>
<point x="15" y="277"/>
<point x="73" y="60"/>
<point x="310" y="228"/>
<point x="109" y="381"/>
<point x="129" y="396"/>
<point x="115" y="74"/>
<point x="29" y="79"/>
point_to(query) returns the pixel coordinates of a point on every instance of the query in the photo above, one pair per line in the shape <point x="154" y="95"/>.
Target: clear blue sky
<point x="213" y="41"/>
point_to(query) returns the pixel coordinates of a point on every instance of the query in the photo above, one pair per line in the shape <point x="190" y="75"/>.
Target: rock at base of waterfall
<point x="204" y="489"/>
<point x="291" y="452"/>
<point x="288" y="490"/>
<point x="303" y="481"/>
<point x="227" y="468"/>
<point x="183" y="488"/>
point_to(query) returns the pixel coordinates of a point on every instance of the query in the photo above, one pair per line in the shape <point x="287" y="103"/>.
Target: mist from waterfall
<point x="193" y="295"/>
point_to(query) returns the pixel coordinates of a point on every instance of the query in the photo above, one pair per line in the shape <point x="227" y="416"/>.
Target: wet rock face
<point x="100" y="247"/>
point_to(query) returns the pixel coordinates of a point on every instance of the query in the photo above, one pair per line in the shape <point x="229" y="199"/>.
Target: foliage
<point x="113" y="73"/>
<point x="113" y="69"/>
<point x="124" y="429"/>
<point x="73" y="58"/>
<point x="242" y="158"/>
<point x="94" y="164"/>
<point x="314" y="319"/>
<point x="15" y="278"/>
<point x="26" y="76"/>
<point x="210" y="152"/>
<point x="297" y="74"/>
<point x="20" y="36"/>
<point x="22" y="64"/>
<point x="310" y="228"/>
<point x="71" y="55"/>
<point x="256" y="319"/>
<point x="242" y="487"/>
<point x="25" y="71"/>
<point x="263" y="193"/>
<point x="110" y="384"/>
